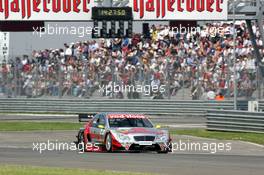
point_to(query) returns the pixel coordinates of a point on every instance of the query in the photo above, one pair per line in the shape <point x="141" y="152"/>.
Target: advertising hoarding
<point x="80" y="10"/>
<point x="46" y="10"/>
<point x="179" y="9"/>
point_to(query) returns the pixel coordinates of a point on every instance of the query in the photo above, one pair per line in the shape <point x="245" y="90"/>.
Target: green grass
<point x="26" y="112"/>
<point x="31" y="170"/>
<point x="33" y="126"/>
<point x="49" y="126"/>
<point x="249" y="137"/>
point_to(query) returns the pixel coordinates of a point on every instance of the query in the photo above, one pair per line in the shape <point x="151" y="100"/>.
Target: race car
<point x="123" y="132"/>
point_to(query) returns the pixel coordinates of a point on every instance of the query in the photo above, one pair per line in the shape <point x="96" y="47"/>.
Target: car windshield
<point x="129" y="122"/>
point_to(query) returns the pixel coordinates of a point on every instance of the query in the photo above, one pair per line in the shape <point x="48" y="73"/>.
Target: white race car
<point x="124" y="131"/>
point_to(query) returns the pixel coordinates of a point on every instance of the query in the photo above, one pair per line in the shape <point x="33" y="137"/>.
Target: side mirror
<point x="101" y="126"/>
<point x="158" y="126"/>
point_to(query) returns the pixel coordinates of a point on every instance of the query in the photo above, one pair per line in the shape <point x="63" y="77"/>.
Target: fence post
<point x="85" y="76"/>
<point x="168" y="80"/>
<point x="15" y="80"/>
<point x="60" y="79"/>
<point x="113" y="77"/>
<point x="183" y="84"/>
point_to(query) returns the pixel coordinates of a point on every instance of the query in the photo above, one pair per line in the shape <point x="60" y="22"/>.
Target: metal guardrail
<point x="240" y="121"/>
<point x="161" y="111"/>
<point x="261" y="106"/>
<point x="151" y="107"/>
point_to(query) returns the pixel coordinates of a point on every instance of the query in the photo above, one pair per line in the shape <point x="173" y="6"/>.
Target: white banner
<point x="4" y="46"/>
<point x="81" y="10"/>
<point x="179" y="9"/>
<point x="46" y="10"/>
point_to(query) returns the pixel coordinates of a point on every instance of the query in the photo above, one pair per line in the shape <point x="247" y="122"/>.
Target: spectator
<point x="202" y="61"/>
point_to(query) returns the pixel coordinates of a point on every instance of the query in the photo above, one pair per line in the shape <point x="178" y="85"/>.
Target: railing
<point x="41" y="83"/>
<point x="161" y="111"/>
<point x="152" y="107"/>
<point x="239" y="121"/>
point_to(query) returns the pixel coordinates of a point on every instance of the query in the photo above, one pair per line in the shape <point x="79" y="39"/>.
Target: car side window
<point x="101" y="120"/>
<point x="95" y="121"/>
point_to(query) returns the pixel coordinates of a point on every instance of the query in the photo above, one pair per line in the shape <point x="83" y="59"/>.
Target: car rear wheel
<point x="108" y="143"/>
<point x="80" y="137"/>
<point x="80" y="141"/>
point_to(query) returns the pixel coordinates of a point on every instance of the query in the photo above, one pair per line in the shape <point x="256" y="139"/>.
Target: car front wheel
<point x="163" y="152"/>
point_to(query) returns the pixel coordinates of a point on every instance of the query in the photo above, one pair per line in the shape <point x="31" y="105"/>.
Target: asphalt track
<point x="244" y="159"/>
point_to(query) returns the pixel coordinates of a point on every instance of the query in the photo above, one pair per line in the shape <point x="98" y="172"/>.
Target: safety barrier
<point x="261" y="106"/>
<point x="153" y="107"/>
<point x="162" y="111"/>
<point x="241" y="121"/>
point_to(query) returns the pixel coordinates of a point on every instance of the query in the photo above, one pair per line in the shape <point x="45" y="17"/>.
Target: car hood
<point x="140" y="130"/>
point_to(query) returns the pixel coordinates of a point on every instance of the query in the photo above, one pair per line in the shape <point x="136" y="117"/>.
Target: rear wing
<point x="86" y="117"/>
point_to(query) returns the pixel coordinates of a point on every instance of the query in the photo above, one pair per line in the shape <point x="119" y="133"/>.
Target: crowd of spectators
<point x="200" y="62"/>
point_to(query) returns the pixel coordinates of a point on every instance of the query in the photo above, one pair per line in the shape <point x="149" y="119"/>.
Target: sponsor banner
<point x="76" y="10"/>
<point x="4" y="46"/>
<point x="46" y="10"/>
<point x="179" y="9"/>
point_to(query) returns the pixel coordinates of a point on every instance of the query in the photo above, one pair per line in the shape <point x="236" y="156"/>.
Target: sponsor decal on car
<point x="112" y="116"/>
<point x="139" y="130"/>
<point x="145" y="143"/>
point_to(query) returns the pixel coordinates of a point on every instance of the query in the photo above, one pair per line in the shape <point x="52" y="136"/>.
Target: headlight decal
<point x="123" y="138"/>
<point x="161" y="138"/>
